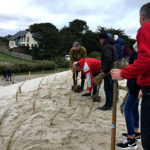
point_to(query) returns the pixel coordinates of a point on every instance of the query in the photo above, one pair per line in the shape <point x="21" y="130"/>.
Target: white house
<point x="22" y="38"/>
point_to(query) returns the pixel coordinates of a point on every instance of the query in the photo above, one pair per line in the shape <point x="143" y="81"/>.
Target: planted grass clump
<point x="70" y="99"/>
<point x="76" y="88"/>
<point x="19" y="90"/>
<point x="52" y="119"/>
<point x="90" y="109"/>
<point x="5" y="114"/>
<point x="13" y="134"/>
<point x="34" y="101"/>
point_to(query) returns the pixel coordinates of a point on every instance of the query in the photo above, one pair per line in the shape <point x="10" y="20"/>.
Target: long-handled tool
<point x="75" y="72"/>
<point x="114" y="112"/>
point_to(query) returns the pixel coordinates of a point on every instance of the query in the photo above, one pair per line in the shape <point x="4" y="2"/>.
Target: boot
<point x="82" y="84"/>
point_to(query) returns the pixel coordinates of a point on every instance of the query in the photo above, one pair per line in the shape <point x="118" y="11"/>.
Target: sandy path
<point x="55" y="120"/>
<point x="21" y="78"/>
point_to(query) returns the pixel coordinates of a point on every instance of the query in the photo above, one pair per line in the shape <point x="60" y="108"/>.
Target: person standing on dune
<point x="140" y="69"/>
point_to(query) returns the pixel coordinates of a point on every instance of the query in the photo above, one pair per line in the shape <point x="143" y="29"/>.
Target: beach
<point x="45" y="114"/>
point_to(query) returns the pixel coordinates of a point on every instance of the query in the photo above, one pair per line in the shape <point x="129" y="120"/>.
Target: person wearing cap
<point x="90" y="67"/>
<point x="76" y="53"/>
<point x="140" y="69"/>
<point x="108" y="57"/>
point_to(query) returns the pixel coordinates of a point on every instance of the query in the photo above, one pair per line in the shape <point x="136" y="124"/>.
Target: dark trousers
<point x="145" y="118"/>
<point x="95" y="88"/>
<point x="75" y="77"/>
<point x="108" y="88"/>
<point x="9" y="78"/>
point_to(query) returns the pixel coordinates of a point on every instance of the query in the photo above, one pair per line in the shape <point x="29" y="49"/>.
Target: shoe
<point x="86" y="94"/>
<point x="105" y="107"/>
<point x="128" y="144"/>
<point x="81" y="90"/>
<point x="137" y="136"/>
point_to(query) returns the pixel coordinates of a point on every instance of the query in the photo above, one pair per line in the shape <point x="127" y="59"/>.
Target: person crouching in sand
<point x="91" y="68"/>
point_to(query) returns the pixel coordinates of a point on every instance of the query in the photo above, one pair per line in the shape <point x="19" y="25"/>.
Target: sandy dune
<point x="47" y="115"/>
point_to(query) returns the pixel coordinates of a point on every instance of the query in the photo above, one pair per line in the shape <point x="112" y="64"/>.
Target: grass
<point x="17" y="65"/>
<point x="42" y="72"/>
<point x="5" y="114"/>
<point x="13" y="134"/>
<point x="52" y="119"/>
<point x="19" y="90"/>
<point x="34" y="102"/>
<point x="70" y="99"/>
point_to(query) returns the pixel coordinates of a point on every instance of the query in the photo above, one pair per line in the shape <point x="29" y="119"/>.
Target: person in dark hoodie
<point x="119" y="43"/>
<point x="108" y="57"/>
<point x="131" y="111"/>
<point x="9" y="75"/>
<point x="4" y="75"/>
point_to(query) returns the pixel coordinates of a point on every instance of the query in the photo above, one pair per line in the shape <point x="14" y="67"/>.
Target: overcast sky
<point x="17" y="15"/>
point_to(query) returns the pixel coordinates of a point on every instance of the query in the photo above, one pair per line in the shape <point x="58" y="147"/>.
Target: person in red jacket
<point x="91" y="68"/>
<point x="140" y="69"/>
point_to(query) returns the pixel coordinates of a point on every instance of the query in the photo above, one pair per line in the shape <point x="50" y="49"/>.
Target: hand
<point x="72" y="70"/>
<point x="88" y="92"/>
<point x="105" y="74"/>
<point x="116" y="74"/>
<point x="140" y="94"/>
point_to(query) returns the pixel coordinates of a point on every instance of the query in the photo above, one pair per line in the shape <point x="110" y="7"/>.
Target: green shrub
<point x="27" y="66"/>
<point x="61" y="62"/>
<point x="95" y="55"/>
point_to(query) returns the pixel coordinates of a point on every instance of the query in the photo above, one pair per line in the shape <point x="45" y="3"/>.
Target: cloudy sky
<point x="17" y="15"/>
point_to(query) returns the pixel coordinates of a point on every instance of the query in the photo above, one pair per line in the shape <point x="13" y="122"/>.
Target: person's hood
<point x="110" y="40"/>
<point x="81" y="62"/>
<point x="116" y="37"/>
<point x="120" y="41"/>
<point x="135" y="47"/>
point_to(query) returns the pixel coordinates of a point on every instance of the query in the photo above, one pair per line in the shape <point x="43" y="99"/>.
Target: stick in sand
<point x="29" y="75"/>
<point x="114" y="111"/>
<point x="13" y="79"/>
<point x="75" y="77"/>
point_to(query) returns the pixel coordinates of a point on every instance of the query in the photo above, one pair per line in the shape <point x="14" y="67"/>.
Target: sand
<point x="50" y="116"/>
<point x="20" y="78"/>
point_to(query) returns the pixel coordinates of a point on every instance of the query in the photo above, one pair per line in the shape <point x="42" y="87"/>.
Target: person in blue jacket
<point x="119" y="43"/>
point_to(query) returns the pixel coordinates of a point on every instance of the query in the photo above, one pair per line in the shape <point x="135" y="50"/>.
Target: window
<point x="27" y="39"/>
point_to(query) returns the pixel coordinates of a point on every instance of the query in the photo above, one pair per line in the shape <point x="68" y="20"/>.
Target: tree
<point x="78" y="27"/>
<point x="91" y="42"/>
<point x="48" y="38"/>
<point x="67" y="39"/>
<point x="129" y="41"/>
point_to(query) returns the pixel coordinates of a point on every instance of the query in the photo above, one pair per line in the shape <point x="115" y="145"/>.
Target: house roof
<point x="18" y="34"/>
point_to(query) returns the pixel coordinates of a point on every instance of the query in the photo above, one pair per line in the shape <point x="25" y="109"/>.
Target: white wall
<point x="12" y="44"/>
<point x="31" y="40"/>
<point x="24" y="40"/>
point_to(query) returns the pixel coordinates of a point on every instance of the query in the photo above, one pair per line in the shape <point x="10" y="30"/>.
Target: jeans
<point x="145" y="118"/>
<point x="131" y="113"/>
<point x="108" y="88"/>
